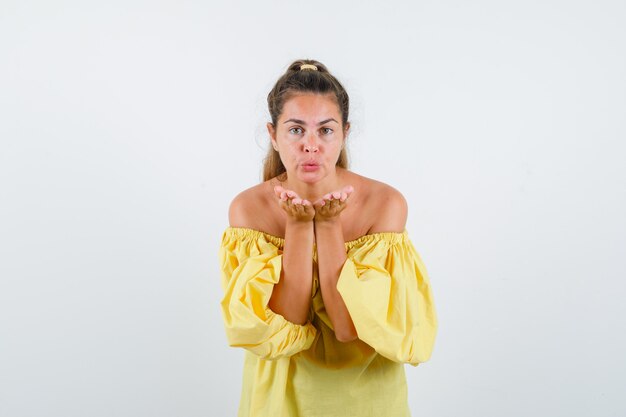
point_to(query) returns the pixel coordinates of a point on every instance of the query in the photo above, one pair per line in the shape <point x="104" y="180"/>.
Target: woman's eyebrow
<point x="303" y="123"/>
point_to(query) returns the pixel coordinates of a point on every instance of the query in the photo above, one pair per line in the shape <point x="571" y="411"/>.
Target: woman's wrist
<point x="331" y="222"/>
<point x="299" y="224"/>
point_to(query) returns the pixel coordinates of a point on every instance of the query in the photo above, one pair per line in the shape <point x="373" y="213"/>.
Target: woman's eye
<point x="327" y="130"/>
<point x="294" y="128"/>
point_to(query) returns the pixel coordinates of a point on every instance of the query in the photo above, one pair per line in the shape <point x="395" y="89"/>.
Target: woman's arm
<point x="331" y="255"/>
<point x="331" y="251"/>
<point x="291" y="297"/>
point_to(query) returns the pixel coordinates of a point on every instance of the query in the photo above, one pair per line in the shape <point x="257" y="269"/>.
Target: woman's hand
<point x="332" y="204"/>
<point x="297" y="209"/>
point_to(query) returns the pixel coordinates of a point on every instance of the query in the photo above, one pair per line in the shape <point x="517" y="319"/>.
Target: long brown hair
<point x="294" y="81"/>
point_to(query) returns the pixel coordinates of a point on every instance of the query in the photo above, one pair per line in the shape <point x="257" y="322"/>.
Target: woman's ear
<point x="272" y="132"/>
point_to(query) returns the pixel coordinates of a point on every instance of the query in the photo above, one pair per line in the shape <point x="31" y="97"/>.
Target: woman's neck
<point x="315" y="191"/>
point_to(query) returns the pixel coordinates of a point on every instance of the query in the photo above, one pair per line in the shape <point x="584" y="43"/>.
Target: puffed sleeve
<point x="250" y="266"/>
<point x="387" y="292"/>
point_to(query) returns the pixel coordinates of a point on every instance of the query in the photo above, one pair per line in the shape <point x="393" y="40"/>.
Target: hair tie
<point x="308" y="66"/>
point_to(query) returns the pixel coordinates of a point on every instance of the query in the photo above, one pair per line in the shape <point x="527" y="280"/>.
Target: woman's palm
<point x="297" y="208"/>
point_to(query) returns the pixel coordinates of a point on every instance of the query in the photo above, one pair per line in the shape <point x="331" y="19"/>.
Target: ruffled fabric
<point x="386" y="289"/>
<point x="384" y="284"/>
<point x="250" y="266"/>
<point x="293" y="370"/>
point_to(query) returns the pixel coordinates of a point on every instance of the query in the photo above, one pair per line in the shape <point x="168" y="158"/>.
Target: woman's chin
<point x="308" y="175"/>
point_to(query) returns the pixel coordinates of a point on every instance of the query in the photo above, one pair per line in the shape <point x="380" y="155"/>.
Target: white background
<point x="127" y="127"/>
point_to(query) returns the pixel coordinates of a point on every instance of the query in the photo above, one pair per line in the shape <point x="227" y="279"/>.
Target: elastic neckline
<point x="391" y="237"/>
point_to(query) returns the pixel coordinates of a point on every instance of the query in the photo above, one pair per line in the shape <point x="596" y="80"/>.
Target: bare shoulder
<point x="389" y="204"/>
<point x="244" y="208"/>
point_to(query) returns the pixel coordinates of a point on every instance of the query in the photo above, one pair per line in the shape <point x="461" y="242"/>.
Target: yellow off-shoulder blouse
<point x="293" y="370"/>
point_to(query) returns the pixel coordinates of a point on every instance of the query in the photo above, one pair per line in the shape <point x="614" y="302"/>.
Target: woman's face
<point x="309" y="136"/>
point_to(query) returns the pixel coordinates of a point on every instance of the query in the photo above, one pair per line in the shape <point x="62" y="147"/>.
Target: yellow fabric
<point x="293" y="370"/>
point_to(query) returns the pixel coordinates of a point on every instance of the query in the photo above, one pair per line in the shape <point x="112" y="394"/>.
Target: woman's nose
<point x="311" y="148"/>
<point x="310" y="144"/>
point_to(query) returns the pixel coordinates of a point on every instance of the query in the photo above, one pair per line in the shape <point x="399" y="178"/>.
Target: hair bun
<point x="306" y="64"/>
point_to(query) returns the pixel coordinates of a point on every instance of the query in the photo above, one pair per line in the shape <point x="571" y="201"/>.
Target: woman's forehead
<point x="313" y="108"/>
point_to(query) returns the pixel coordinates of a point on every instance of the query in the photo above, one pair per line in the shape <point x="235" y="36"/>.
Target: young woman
<point x="322" y="286"/>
